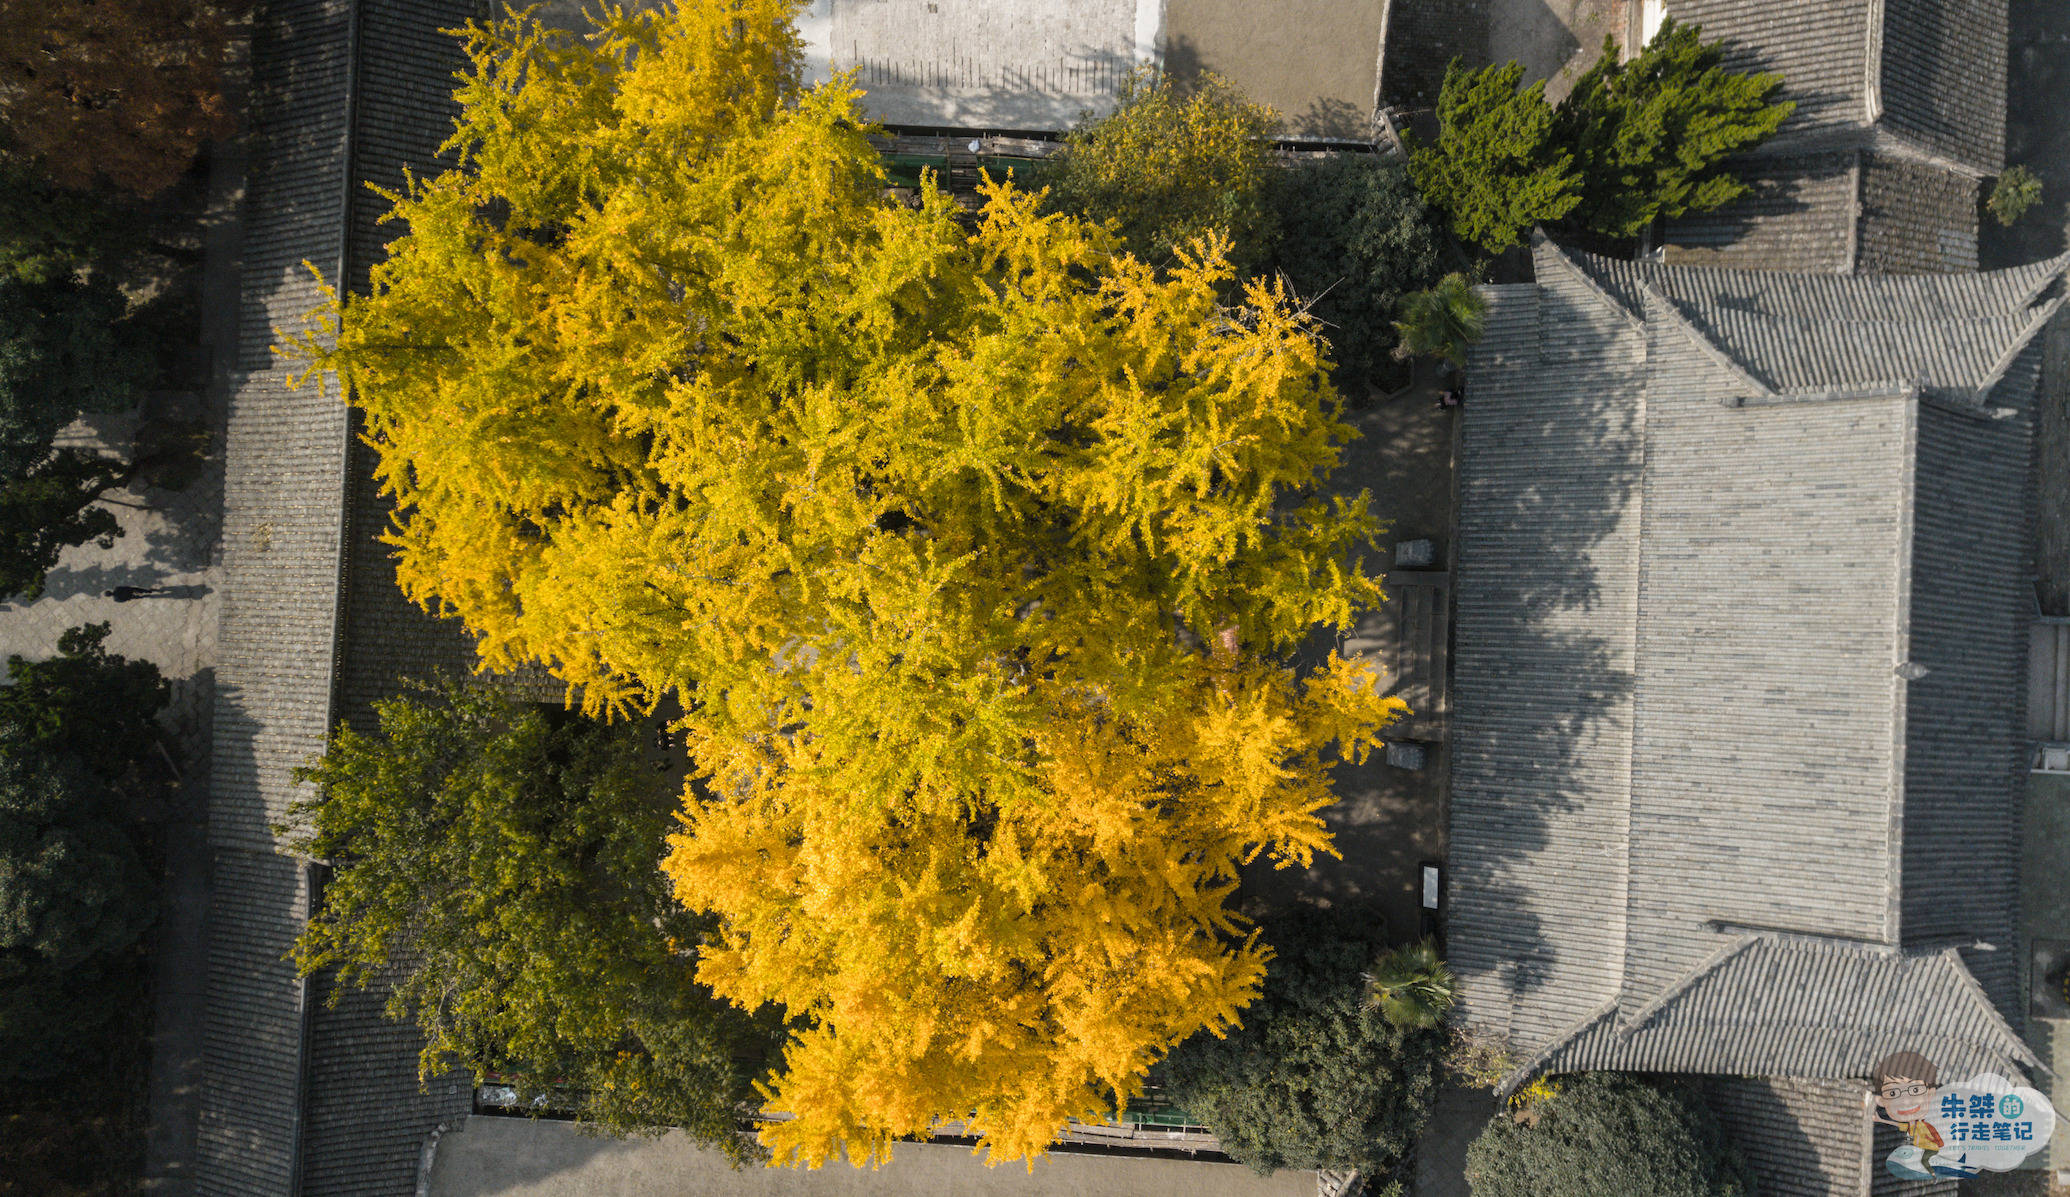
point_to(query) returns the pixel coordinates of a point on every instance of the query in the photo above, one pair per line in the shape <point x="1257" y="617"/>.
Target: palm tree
<point x="1442" y="321"/>
<point x="1410" y="987"/>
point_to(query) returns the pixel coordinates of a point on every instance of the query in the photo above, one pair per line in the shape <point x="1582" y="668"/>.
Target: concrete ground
<point x="1456" y="1119"/>
<point x="518" y="1157"/>
<point x="1019" y="67"/>
<point x="2037" y="132"/>
<point x="2052" y="461"/>
<point x="1314" y="61"/>
<point x="1038" y="67"/>
<point x="170" y="540"/>
<point x="1556" y="40"/>
<point x="2045" y="919"/>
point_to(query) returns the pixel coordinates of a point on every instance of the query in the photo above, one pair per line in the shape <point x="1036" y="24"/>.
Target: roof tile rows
<point x="300" y="1096"/>
<point x="284" y="456"/>
<point x="1713" y="525"/>
<point x="1900" y="110"/>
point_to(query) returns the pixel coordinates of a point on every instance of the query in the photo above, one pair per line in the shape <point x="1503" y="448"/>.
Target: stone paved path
<point x="171" y="540"/>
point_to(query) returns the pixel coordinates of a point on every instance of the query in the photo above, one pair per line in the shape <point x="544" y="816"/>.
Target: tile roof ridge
<point x="1710" y="348"/>
<point x="1891" y="143"/>
<point x="2018" y="345"/>
<point x="1637" y="1019"/>
<point x="2014" y="1047"/>
<point x="1872" y="65"/>
<point x="2050" y="270"/>
<point x="1877" y="389"/>
<point x="1529" y="1067"/>
<point x="1546" y="249"/>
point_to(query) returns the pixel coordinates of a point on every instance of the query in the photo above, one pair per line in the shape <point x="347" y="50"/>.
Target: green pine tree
<point x="1497" y="168"/>
<point x="1650" y="136"/>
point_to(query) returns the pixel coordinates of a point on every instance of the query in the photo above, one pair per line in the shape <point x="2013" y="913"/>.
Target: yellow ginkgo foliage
<point x="927" y="520"/>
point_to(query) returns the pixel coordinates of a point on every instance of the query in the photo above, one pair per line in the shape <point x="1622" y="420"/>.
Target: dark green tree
<point x="73" y="888"/>
<point x="1354" y="238"/>
<point x="64" y="349"/>
<point x="48" y="233"/>
<point x="50" y="509"/>
<point x="1650" y="136"/>
<point x="1315" y="1077"/>
<point x="497" y="870"/>
<point x="1498" y="167"/>
<point x="1608" y="1133"/>
<point x="76" y="748"/>
<point x="88" y="705"/>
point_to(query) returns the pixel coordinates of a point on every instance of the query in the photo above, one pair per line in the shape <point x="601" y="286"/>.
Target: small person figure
<point x="1906" y="1085"/>
<point x="1449" y="398"/>
<point x="123" y="594"/>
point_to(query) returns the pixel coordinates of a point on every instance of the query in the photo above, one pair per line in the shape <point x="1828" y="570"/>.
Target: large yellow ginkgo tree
<point x="974" y="548"/>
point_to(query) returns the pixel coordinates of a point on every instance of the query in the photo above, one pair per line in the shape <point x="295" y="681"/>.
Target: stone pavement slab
<point x="520" y="1157"/>
<point x="169" y="540"/>
<point x="1315" y="61"/>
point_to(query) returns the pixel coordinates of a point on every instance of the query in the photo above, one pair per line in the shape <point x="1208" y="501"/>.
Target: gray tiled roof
<point x="1771" y="1003"/>
<point x="1698" y="809"/>
<point x="1942" y="81"/>
<point x="284" y="458"/>
<point x="1821" y="49"/>
<point x="1803" y="1137"/>
<point x="1839" y="211"/>
<point x="1946" y="333"/>
<point x="298" y="1095"/>
<point x="1798" y="215"/>
<point x="1928" y="75"/>
<point x="1900" y="110"/>
<point x="1915" y="218"/>
<point x="365" y="1113"/>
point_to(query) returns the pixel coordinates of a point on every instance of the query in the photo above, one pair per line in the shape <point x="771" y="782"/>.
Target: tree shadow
<point x="1331" y="119"/>
<point x="1550" y="462"/>
<point x="1770" y="218"/>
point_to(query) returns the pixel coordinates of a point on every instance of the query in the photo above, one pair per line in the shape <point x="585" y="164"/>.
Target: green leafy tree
<point x="48" y="233"/>
<point x="1607" y="1133"/>
<point x="1650" y="136"/>
<point x="50" y="509"/>
<point x="1315" y="1077"/>
<point x="499" y="869"/>
<point x="76" y="747"/>
<point x="72" y="885"/>
<point x="64" y="349"/>
<point x="1411" y="987"/>
<point x="1498" y="166"/>
<point x="1174" y="162"/>
<point x="1442" y="322"/>
<point x="89" y="705"/>
<point x="2014" y="192"/>
<point x="1355" y="237"/>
